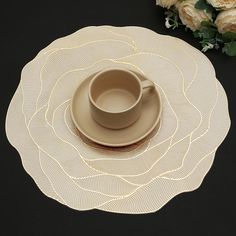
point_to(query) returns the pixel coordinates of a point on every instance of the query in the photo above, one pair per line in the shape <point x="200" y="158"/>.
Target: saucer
<point x="81" y="116"/>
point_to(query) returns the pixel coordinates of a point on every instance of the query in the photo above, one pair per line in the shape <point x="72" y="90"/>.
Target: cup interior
<point x="115" y="90"/>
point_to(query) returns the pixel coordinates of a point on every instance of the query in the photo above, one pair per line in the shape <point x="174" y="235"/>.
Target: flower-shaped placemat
<point x="137" y="179"/>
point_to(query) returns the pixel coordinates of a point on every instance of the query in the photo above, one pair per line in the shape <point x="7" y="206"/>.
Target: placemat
<point x="140" y="178"/>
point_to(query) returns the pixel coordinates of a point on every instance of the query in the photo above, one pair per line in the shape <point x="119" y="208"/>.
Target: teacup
<point x="116" y="97"/>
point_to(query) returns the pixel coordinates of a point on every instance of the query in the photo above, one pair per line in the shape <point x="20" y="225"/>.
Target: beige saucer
<point x="81" y="116"/>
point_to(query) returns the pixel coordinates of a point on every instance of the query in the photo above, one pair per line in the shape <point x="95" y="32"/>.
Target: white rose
<point x="222" y="4"/>
<point x="190" y="16"/>
<point x="166" y="3"/>
<point x="226" y="21"/>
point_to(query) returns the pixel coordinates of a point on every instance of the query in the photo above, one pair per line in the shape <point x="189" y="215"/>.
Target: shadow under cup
<point x="115" y="98"/>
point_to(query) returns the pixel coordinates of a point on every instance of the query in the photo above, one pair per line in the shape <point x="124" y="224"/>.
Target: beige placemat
<point x="136" y="179"/>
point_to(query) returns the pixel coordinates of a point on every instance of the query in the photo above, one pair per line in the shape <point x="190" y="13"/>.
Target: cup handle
<point x="147" y="84"/>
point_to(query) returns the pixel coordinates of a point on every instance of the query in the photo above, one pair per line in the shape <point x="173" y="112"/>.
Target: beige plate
<point x="80" y="112"/>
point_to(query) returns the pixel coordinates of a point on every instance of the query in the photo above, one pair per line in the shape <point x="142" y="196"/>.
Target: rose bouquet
<point x="213" y="22"/>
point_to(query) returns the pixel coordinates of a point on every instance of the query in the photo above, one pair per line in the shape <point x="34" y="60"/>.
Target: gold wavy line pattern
<point x="103" y="188"/>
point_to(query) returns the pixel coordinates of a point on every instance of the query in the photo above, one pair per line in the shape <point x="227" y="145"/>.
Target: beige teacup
<point x="116" y="96"/>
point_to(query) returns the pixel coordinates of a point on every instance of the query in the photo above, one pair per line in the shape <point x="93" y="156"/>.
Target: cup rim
<point x="115" y="69"/>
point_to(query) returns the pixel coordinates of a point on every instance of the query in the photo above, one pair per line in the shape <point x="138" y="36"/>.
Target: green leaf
<point x="229" y="36"/>
<point x="208" y="30"/>
<point x="201" y="4"/>
<point x="230" y="48"/>
<point x="208" y="24"/>
<point x="208" y="33"/>
<point x="172" y="18"/>
<point x="196" y="34"/>
<point x="209" y="36"/>
<point x="205" y="32"/>
<point x="204" y="5"/>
